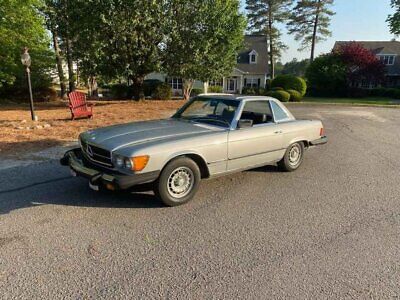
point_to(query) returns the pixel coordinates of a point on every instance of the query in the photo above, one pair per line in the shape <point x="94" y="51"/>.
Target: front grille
<point x="97" y="154"/>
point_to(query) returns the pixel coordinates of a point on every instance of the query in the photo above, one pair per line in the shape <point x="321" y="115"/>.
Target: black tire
<point x="178" y="182"/>
<point x="291" y="162"/>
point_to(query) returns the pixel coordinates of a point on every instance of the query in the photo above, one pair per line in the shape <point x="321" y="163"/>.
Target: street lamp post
<point x="26" y="61"/>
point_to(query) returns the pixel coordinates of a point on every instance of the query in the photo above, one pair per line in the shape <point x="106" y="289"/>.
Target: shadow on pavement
<point x="34" y="186"/>
<point x="70" y="191"/>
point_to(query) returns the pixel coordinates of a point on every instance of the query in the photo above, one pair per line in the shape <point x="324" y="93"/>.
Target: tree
<point x="394" y="19"/>
<point x="20" y="26"/>
<point x="310" y="21"/>
<point x="296" y="67"/>
<point x="264" y="16"/>
<point x="203" y="39"/>
<point x="129" y="33"/>
<point x="49" y="10"/>
<point x="361" y="64"/>
<point x="336" y="73"/>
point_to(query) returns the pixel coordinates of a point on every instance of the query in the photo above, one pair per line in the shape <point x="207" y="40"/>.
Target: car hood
<point x="130" y="134"/>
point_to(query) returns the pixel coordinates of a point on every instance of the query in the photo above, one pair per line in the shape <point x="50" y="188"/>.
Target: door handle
<point x="277" y="132"/>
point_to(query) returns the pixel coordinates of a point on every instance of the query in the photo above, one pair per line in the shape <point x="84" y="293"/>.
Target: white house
<point x="251" y="70"/>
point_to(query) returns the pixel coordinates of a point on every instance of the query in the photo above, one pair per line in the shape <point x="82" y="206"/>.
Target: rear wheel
<point x="293" y="157"/>
<point x="178" y="182"/>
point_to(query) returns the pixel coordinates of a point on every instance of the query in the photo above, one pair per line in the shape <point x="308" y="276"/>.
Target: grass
<point x="362" y="101"/>
<point x="19" y="135"/>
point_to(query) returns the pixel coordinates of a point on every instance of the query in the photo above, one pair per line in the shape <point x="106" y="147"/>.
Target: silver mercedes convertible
<point x="211" y="135"/>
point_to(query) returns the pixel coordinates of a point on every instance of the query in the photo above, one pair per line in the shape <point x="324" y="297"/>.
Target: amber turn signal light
<point x="139" y="162"/>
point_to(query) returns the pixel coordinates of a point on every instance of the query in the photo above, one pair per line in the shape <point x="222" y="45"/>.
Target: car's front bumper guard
<point x="98" y="177"/>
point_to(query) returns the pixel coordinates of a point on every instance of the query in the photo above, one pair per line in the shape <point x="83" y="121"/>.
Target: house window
<point x="253" y="57"/>
<point x="252" y="82"/>
<point x="388" y="60"/>
<point x="215" y="83"/>
<point x="175" y="83"/>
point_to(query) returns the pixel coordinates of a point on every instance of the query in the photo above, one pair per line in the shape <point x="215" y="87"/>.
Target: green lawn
<point x="369" y="100"/>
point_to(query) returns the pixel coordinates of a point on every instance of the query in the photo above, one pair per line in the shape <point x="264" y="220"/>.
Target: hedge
<point x="215" y="89"/>
<point x="290" y="82"/>
<point x="196" y="92"/>
<point x="282" y="96"/>
<point x="163" y="92"/>
<point x="295" y="96"/>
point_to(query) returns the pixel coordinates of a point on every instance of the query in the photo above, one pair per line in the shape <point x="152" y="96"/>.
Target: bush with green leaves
<point x="249" y="91"/>
<point x="150" y="85"/>
<point x="278" y="88"/>
<point x="290" y="82"/>
<point x="282" y="96"/>
<point x="326" y="76"/>
<point x="215" y="89"/>
<point x="295" y="96"/>
<point x="385" y="92"/>
<point x="121" y="91"/>
<point x="163" y="92"/>
<point x="196" y="92"/>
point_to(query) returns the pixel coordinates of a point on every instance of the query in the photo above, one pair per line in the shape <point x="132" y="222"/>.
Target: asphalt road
<point x="329" y="230"/>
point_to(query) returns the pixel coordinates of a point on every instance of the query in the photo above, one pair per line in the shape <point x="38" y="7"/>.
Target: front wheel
<point x="178" y="182"/>
<point x="293" y="157"/>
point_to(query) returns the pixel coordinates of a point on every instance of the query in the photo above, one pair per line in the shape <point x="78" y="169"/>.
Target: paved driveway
<point x="329" y="230"/>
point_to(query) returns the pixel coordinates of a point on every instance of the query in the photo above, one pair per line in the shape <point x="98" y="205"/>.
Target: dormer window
<point x="388" y="60"/>
<point x="253" y="57"/>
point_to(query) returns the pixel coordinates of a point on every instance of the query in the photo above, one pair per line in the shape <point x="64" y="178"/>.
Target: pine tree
<point x="310" y="23"/>
<point x="264" y="16"/>
<point x="394" y="19"/>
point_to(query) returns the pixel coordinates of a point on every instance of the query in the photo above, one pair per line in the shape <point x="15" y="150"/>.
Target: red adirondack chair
<point x="79" y="106"/>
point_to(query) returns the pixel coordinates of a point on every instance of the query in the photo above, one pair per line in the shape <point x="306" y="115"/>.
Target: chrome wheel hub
<point x="180" y="182"/>
<point x="295" y="155"/>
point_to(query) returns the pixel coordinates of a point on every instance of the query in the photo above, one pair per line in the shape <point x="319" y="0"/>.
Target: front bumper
<point x="323" y="140"/>
<point x="98" y="176"/>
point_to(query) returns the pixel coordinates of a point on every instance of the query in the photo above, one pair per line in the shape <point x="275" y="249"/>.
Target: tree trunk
<point x="271" y="45"/>
<point x="314" y="38"/>
<point x="60" y="69"/>
<point x="138" y="88"/>
<point x="187" y="88"/>
<point x="70" y="63"/>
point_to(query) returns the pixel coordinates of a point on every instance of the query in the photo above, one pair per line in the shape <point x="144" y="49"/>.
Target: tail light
<point x="322" y="131"/>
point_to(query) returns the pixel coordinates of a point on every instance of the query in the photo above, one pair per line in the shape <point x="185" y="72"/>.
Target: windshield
<point x="208" y="110"/>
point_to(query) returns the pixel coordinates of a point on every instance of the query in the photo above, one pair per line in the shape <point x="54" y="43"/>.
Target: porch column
<point x="241" y="85"/>
<point x="205" y="87"/>
<point x="224" y="84"/>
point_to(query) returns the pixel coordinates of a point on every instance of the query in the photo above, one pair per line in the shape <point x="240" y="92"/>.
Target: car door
<point x="256" y="145"/>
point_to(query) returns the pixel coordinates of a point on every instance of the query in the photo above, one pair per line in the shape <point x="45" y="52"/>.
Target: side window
<point x="279" y="113"/>
<point x="257" y="111"/>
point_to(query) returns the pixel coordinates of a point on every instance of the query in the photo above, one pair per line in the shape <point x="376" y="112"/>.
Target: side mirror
<point x="245" y="123"/>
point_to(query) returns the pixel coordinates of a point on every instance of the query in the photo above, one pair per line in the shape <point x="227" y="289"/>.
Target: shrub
<point x="196" y="92"/>
<point x="355" y="92"/>
<point x="248" y="91"/>
<point x="278" y="88"/>
<point x="290" y="82"/>
<point x="261" y="91"/>
<point x="121" y="91"/>
<point x="215" y="89"/>
<point x="150" y="85"/>
<point x="295" y="96"/>
<point x="163" y="92"/>
<point x="326" y="76"/>
<point x="282" y="96"/>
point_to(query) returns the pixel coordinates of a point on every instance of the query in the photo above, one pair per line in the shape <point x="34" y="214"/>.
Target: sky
<point x="354" y="20"/>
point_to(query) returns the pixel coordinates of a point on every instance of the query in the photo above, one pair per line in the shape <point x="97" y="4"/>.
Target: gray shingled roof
<point x="259" y="44"/>
<point x="380" y="48"/>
